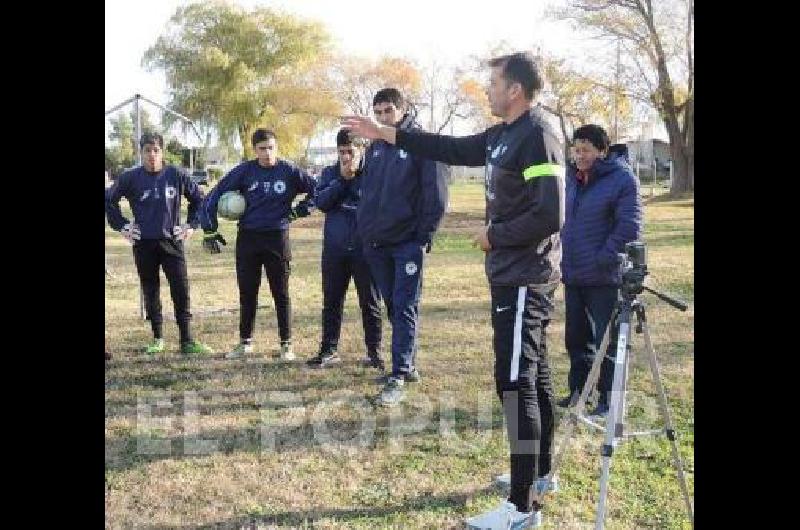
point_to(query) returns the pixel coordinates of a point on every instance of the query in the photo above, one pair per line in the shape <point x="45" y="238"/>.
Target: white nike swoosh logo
<point x="501" y="309"/>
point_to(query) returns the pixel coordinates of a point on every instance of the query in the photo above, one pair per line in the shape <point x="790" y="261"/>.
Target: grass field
<point x="260" y="443"/>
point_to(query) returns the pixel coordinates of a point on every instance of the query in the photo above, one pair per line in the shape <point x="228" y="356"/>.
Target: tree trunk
<point x="681" y="182"/>
<point x="680" y="159"/>
<point x="680" y="170"/>
<point x="245" y="131"/>
<point x="681" y="148"/>
<point x="689" y="117"/>
<point x="665" y="102"/>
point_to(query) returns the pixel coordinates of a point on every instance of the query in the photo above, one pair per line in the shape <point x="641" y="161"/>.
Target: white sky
<point x="447" y="31"/>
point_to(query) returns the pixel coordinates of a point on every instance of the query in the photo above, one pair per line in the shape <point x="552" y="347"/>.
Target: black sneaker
<point x="326" y="357"/>
<point x="373" y="360"/>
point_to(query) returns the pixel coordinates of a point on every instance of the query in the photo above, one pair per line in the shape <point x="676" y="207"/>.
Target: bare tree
<point x="577" y="98"/>
<point x="357" y="79"/>
<point x="658" y="39"/>
<point x="442" y="95"/>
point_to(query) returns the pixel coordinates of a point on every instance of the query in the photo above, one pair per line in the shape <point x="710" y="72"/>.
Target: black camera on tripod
<point x="633" y="266"/>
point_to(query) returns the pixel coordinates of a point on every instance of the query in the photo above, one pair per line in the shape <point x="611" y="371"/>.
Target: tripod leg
<point x="614" y="420"/>
<point x="571" y="419"/>
<point x="623" y="410"/>
<point x="670" y="429"/>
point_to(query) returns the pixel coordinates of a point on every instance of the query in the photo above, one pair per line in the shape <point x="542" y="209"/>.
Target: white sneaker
<point x="239" y="350"/>
<point x="287" y="353"/>
<point x="504" y="481"/>
<point x="505" y="517"/>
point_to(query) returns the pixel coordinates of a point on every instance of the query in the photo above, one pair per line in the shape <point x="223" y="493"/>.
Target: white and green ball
<point x="231" y="205"/>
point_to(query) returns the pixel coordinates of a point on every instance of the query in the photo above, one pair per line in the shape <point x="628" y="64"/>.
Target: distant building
<point x="651" y="144"/>
<point x="321" y="156"/>
<point x="645" y="151"/>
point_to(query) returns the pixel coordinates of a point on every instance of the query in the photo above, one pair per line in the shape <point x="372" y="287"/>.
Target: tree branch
<point x="561" y="112"/>
<point x="647" y="13"/>
<point x="635" y="58"/>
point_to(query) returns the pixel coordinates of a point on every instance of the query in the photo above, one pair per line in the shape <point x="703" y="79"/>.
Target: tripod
<point x="626" y="307"/>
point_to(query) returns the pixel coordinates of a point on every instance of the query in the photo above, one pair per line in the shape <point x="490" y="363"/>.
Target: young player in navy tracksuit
<point x="154" y="191"/>
<point x="269" y="185"/>
<point x="338" y="194"/>
<point x="403" y="199"/>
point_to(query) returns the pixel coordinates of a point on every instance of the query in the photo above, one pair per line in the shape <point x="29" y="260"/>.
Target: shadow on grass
<point x="375" y="429"/>
<point x="666" y="198"/>
<point x="307" y="518"/>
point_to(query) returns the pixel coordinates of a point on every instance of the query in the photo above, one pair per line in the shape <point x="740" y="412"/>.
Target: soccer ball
<point x="231" y="205"/>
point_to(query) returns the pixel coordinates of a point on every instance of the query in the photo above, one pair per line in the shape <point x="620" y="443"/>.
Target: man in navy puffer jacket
<point x="338" y="194"/>
<point x="603" y="213"/>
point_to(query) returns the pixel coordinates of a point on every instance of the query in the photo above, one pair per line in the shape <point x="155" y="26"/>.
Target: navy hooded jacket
<point x="339" y="199"/>
<point x="601" y="217"/>
<point x="403" y="196"/>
